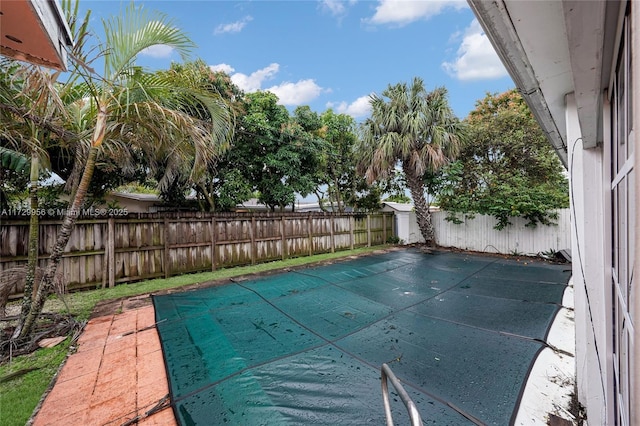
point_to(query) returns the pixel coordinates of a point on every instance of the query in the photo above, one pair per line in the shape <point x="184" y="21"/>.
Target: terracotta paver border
<point x="116" y="375"/>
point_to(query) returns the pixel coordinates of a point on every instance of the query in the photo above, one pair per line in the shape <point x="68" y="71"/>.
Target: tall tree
<point x="506" y="168"/>
<point x="21" y="89"/>
<point x="277" y="155"/>
<point x="416" y="129"/>
<point x="339" y="160"/>
<point x="125" y="108"/>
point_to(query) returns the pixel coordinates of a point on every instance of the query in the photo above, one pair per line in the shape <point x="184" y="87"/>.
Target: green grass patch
<point x="21" y="393"/>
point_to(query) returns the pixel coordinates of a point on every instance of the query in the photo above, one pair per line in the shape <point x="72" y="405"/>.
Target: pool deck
<point x="117" y="374"/>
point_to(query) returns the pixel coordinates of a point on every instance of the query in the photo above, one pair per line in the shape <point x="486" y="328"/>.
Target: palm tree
<point x="127" y="109"/>
<point x="22" y="94"/>
<point x="412" y="128"/>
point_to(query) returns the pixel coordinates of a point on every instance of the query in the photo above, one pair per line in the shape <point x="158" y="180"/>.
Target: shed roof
<point x="398" y="207"/>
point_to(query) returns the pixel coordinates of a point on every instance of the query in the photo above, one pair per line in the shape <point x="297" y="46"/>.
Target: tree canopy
<point x="506" y="168"/>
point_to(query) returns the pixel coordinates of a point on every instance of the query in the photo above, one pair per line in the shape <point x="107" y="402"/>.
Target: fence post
<point x="111" y="251"/>
<point x="368" y="230"/>
<point x="213" y="243"/>
<point x="351" y="226"/>
<point x="333" y="235"/>
<point x="252" y="235"/>
<point x="384" y="228"/>
<point x="310" y="228"/>
<point x="165" y="256"/>
<point x="283" y="243"/>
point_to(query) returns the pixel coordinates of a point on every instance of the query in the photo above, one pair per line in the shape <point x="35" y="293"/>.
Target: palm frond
<point x="410" y="125"/>
<point x="129" y="34"/>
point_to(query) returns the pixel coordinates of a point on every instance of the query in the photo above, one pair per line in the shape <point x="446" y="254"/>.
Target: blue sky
<point x="330" y="53"/>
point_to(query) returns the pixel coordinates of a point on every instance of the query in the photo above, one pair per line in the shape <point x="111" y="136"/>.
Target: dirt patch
<point x="558" y="421"/>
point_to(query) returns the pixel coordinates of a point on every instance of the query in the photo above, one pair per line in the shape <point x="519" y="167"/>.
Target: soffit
<point x="552" y="48"/>
<point x="34" y="31"/>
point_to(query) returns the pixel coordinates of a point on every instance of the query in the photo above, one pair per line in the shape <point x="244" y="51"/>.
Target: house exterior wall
<point x="604" y="204"/>
<point x="635" y="298"/>
<point x="592" y="301"/>
<point x="619" y="146"/>
<point x="596" y="137"/>
<point x="407" y="228"/>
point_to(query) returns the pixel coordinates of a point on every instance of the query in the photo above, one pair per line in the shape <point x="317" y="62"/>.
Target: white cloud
<point x="476" y="59"/>
<point x="233" y="27"/>
<point x="361" y="107"/>
<point x="158" y="51"/>
<point x="290" y="94"/>
<point x="337" y="7"/>
<point x="402" y="12"/>
<point x="253" y="82"/>
<point x="222" y="67"/>
<point x="299" y="93"/>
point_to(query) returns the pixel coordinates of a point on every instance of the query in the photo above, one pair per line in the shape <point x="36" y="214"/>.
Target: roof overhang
<point x="551" y="49"/>
<point x="35" y="31"/>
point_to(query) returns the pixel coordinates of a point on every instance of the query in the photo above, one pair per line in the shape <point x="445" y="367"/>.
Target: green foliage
<point x="337" y="172"/>
<point x="506" y="168"/>
<point x="398" y="198"/>
<point x="232" y="189"/>
<point x="367" y="198"/>
<point x="13" y="160"/>
<point x="136" y="188"/>
<point x="277" y="155"/>
<point x="13" y="187"/>
<point x="50" y="197"/>
<point x="14" y="191"/>
<point x="394" y="239"/>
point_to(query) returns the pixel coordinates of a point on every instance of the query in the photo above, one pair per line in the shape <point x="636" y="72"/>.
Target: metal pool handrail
<point x="414" y="415"/>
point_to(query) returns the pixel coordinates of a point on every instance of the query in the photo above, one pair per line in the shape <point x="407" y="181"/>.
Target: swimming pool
<point x="305" y="347"/>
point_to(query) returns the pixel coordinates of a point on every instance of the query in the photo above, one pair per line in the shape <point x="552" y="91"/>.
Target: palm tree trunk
<point x="32" y="261"/>
<point x="62" y="239"/>
<point x="420" y="203"/>
<point x="64" y="233"/>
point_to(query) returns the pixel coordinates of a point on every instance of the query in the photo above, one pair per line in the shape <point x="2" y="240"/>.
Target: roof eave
<point x="35" y="31"/>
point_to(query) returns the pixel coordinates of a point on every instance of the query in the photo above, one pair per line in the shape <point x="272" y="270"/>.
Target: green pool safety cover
<point x="461" y="331"/>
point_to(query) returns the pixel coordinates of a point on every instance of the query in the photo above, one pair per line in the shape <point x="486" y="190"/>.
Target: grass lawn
<point x="20" y="394"/>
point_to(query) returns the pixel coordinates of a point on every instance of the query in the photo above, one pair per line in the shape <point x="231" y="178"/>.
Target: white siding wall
<point x="591" y="262"/>
<point x="478" y="234"/>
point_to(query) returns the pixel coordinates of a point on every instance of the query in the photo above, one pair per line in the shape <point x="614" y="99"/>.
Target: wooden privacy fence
<point x="109" y="251"/>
